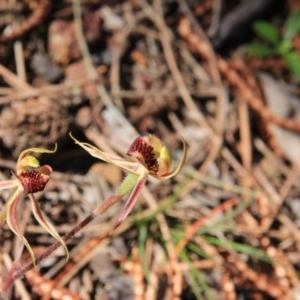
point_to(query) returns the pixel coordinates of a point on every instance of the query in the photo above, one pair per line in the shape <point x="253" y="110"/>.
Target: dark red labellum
<point x="145" y="154"/>
<point x="34" y="180"/>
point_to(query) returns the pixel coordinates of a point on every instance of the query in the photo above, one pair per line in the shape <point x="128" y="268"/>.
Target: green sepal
<point x="26" y="160"/>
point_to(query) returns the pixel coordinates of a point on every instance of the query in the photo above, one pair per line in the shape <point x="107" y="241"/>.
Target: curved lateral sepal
<point x="11" y="218"/>
<point x="45" y="224"/>
<point x="132" y="199"/>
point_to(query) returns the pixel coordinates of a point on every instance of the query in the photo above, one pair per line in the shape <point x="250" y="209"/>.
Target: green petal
<point x="35" y="150"/>
<point x="11" y="218"/>
<point x="29" y="161"/>
<point x="181" y="164"/>
<point x="45" y="224"/>
<point x="164" y="162"/>
<point x="25" y="160"/>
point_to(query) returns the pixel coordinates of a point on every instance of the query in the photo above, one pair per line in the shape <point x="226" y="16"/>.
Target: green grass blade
<point x="229" y="217"/>
<point x="293" y="61"/>
<point x="260" y="50"/>
<point x="292" y="25"/>
<point x="241" y="248"/>
<point x="196" y="278"/>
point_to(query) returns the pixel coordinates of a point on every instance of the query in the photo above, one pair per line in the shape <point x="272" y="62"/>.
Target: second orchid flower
<point x="153" y="159"/>
<point x="29" y="179"/>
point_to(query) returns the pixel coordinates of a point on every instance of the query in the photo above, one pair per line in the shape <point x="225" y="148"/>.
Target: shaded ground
<point x="227" y="226"/>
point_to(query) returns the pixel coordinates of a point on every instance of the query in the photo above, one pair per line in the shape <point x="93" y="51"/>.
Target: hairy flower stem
<point x="127" y="185"/>
<point x="107" y="203"/>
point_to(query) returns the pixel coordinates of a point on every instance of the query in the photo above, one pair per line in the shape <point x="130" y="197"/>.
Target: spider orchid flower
<point x="29" y="178"/>
<point x="153" y="159"/>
